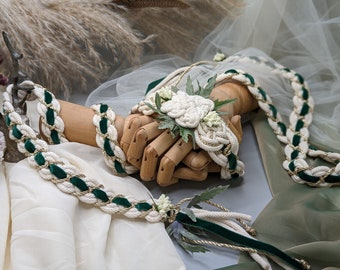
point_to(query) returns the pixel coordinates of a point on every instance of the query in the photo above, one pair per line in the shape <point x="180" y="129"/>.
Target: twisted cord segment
<point x="106" y="139"/>
<point x="296" y="135"/>
<point x="66" y="176"/>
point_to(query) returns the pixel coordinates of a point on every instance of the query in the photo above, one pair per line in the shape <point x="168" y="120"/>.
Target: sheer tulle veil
<point x="302" y="35"/>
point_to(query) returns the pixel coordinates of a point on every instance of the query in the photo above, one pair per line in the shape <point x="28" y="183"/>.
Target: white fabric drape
<point x="53" y="230"/>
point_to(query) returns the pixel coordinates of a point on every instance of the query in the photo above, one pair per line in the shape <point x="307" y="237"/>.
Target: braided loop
<point x="48" y="108"/>
<point x="66" y="176"/>
<point x="106" y="138"/>
<point x="296" y="135"/>
<point x="222" y="146"/>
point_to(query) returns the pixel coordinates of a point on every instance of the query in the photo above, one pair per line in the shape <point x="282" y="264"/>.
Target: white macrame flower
<point x="187" y="110"/>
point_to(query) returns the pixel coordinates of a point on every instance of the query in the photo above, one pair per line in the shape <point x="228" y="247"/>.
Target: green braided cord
<point x="50" y="117"/>
<point x="46" y="99"/>
<point x="104" y="119"/>
<point x="51" y="167"/>
<point x="328" y="179"/>
<point x="42" y="160"/>
<point x="118" y="168"/>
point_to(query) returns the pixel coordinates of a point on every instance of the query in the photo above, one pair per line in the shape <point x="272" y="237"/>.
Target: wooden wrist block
<point x="78" y="123"/>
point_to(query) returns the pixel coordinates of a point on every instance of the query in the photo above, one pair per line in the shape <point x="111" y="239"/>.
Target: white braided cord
<point x="2" y="146"/>
<point x="296" y="136"/>
<point x="52" y="126"/>
<point x="190" y="111"/>
<point x="69" y="179"/>
<point x="106" y="139"/>
<point x="66" y="176"/>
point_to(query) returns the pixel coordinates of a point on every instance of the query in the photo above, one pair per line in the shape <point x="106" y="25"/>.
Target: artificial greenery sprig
<point x="186" y="236"/>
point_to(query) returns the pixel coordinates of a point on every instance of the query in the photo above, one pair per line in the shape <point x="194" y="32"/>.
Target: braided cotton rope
<point x="66" y="176"/>
<point x="69" y="180"/>
<point x="106" y="138"/>
<point x="52" y="126"/>
<point x="2" y="146"/>
<point x="195" y="112"/>
<point x="296" y="135"/>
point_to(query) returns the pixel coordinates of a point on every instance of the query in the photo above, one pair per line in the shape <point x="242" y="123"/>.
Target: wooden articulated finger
<point x="214" y="168"/>
<point x="235" y="126"/>
<point x="165" y="173"/>
<point x="170" y="160"/>
<point x="197" y="160"/>
<point x="152" y="154"/>
<point x="190" y="174"/>
<point x="141" y="138"/>
<point x="132" y="123"/>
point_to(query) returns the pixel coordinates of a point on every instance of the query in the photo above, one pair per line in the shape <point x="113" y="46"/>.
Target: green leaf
<point x="199" y="90"/>
<point x="189" y="87"/>
<point x="166" y="122"/>
<point x="152" y="107"/>
<point x="191" y="248"/>
<point x="170" y="230"/>
<point x="197" y="206"/>
<point x="206" y="91"/>
<point x="174" y="89"/>
<point x="158" y="101"/>
<point x="206" y="195"/>
<point x="185" y="133"/>
<point x="221" y="103"/>
<point x="189" y="213"/>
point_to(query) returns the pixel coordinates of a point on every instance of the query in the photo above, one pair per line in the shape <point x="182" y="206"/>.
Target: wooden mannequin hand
<point x="165" y="158"/>
<point x="154" y="151"/>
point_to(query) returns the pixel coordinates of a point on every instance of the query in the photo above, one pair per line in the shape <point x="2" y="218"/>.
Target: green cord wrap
<point x="114" y="156"/>
<point x="273" y="114"/>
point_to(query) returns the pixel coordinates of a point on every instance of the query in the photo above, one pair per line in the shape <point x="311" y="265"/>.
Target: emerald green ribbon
<point x="238" y="239"/>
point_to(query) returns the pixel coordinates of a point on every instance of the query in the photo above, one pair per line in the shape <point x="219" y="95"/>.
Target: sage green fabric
<point x="302" y="221"/>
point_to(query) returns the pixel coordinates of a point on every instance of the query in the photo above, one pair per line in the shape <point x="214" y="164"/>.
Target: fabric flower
<point x="164" y="205"/>
<point x="165" y="93"/>
<point x="212" y="119"/>
<point x="219" y="57"/>
<point x="187" y="110"/>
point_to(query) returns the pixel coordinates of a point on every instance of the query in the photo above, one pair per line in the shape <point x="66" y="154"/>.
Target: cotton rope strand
<point x="2" y="146"/>
<point x="295" y="136"/>
<point x="195" y="112"/>
<point x="106" y="139"/>
<point x="69" y="180"/>
<point x="66" y="176"/>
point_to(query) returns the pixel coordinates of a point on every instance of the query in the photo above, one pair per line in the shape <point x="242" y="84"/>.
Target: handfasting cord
<point x="69" y="180"/>
<point x="295" y="136"/>
<point x="196" y="113"/>
<point x="106" y="138"/>
<point x="62" y="173"/>
<point x="2" y="146"/>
